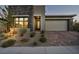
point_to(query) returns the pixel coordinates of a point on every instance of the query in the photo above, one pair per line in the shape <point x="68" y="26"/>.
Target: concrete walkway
<point x="41" y="50"/>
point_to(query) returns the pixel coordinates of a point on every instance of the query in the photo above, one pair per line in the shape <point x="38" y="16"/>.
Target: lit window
<point x="26" y="24"/>
<point x="25" y="19"/>
<point x="21" y="22"/>
<point x="16" y="19"/>
<point x="16" y="22"/>
<point x="21" y="19"/>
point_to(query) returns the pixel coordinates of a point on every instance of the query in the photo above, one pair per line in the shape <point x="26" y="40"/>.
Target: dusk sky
<point x="63" y="9"/>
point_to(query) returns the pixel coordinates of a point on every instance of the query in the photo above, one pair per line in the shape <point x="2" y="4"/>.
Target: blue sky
<point x="63" y="9"/>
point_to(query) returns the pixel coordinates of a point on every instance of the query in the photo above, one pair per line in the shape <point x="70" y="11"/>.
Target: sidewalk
<point x="41" y="50"/>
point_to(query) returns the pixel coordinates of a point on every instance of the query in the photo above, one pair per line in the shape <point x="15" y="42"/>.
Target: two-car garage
<point x="58" y="22"/>
<point x="56" y="25"/>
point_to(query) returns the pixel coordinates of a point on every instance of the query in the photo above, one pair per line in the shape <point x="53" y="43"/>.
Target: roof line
<point x="62" y="15"/>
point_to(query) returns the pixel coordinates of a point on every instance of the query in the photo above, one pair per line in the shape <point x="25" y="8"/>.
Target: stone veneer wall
<point x="20" y="9"/>
<point x="23" y="10"/>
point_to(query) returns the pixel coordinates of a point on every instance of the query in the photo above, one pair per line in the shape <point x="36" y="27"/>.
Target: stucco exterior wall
<point x="40" y="11"/>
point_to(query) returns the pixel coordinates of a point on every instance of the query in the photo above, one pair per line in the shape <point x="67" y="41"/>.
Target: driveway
<point x="63" y="38"/>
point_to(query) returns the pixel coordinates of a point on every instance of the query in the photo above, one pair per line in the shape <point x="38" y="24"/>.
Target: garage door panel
<point x="53" y="25"/>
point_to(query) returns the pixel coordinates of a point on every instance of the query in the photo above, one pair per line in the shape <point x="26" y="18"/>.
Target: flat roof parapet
<point x="72" y="15"/>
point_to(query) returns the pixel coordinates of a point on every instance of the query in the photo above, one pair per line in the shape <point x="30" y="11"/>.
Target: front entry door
<point x="37" y="22"/>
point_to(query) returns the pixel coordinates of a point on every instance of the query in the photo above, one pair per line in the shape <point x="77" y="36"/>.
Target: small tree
<point x="76" y="27"/>
<point x="6" y="16"/>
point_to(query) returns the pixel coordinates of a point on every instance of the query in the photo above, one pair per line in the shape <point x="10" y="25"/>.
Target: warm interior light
<point x="26" y="19"/>
<point x="26" y="24"/>
<point x="21" y="23"/>
<point x="38" y="24"/>
<point x="16" y="22"/>
<point x="11" y="32"/>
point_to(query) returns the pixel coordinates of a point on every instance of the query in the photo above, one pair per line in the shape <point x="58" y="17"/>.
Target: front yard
<point x="53" y="39"/>
<point x="46" y="39"/>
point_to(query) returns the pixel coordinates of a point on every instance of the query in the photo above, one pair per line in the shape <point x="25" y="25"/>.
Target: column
<point x="30" y="20"/>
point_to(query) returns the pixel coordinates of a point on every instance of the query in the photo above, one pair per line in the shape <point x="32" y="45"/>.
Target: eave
<point x="72" y="15"/>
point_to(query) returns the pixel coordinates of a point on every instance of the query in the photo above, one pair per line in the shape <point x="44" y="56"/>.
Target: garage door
<point x="56" y="25"/>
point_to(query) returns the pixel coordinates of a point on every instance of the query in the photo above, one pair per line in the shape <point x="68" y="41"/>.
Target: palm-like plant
<point x="2" y="14"/>
<point x="6" y="16"/>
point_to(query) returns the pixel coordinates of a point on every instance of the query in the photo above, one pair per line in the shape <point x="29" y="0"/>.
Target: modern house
<point x="34" y="17"/>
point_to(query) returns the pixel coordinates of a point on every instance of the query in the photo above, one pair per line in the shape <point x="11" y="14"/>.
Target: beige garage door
<point x="56" y="25"/>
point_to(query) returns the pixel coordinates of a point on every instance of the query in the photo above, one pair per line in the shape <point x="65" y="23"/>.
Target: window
<point x="21" y="22"/>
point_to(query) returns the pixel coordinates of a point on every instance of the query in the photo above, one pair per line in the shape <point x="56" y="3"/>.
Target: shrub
<point x="76" y="27"/>
<point x="35" y="44"/>
<point x="3" y="36"/>
<point x="32" y="34"/>
<point x="24" y="40"/>
<point x="43" y="38"/>
<point x="8" y="43"/>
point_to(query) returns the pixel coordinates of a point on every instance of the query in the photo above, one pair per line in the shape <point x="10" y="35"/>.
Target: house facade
<point x="33" y="17"/>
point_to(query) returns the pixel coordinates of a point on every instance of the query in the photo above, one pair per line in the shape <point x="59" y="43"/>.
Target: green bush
<point x="32" y="34"/>
<point x="8" y="43"/>
<point x="2" y="36"/>
<point x="76" y="27"/>
<point x="42" y="38"/>
<point x="5" y="37"/>
<point x="35" y="44"/>
<point x="24" y="40"/>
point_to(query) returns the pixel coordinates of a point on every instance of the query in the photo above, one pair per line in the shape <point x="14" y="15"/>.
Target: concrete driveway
<point x="68" y="38"/>
<point x="41" y="50"/>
